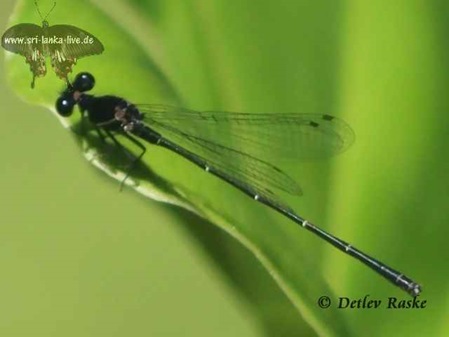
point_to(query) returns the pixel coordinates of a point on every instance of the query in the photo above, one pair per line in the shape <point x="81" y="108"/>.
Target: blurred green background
<point x="80" y="259"/>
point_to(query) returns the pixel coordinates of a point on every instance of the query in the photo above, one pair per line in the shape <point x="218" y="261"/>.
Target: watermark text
<point x="367" y="302"/>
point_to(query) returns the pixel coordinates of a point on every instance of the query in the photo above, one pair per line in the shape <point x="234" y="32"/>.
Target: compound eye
<point x="83" y="82"/>
<point x="64" y="105"/>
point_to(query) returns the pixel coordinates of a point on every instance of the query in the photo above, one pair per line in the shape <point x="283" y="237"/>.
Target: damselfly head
<point x="83" y="82"/>
<point x="71" y="96"/>
<point x="65" y="104"/>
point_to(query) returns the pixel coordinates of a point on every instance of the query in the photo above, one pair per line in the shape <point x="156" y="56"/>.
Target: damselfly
<point x="203" y="138"/>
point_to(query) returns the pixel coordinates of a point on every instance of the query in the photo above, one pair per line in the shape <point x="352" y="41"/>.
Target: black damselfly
<point x="196" y="136"/>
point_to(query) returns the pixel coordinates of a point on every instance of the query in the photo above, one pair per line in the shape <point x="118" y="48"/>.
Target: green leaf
<point x="284" y="56"/>
<point x="135" y="65"/>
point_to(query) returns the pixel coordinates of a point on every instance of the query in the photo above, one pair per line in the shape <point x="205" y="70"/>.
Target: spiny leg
<point x="112" y="137"/>
<point x="126" y="152"/>
<point x="100" y="134"/>
<point x="136" y="160"/>
<point x="119" y="145"/>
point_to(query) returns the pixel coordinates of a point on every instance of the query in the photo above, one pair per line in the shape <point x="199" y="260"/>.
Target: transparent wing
<point x="294" y="136"/>
<point x="245" y="145"/>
